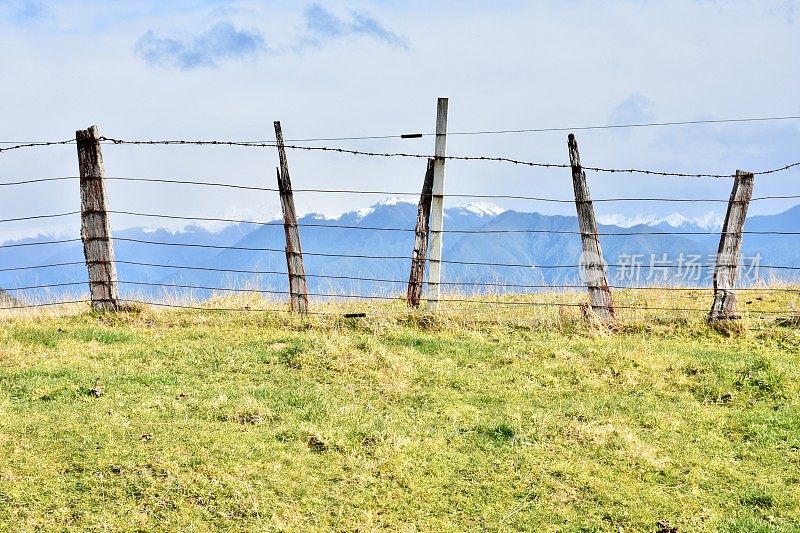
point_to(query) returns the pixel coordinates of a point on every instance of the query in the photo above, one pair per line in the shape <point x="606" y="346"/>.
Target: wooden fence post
<point x="726" y="266"/>
<point x="418" y="256"/>
<point x="98" y="248"/>
<point x="298" y="291"/>
<point x="437" y="206"/>
<point x="592" y="264"/>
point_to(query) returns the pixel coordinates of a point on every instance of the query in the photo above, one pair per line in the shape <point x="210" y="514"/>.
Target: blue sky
<point x="206" y="69"/>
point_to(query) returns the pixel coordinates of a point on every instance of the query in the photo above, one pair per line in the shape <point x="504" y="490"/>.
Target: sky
<point x="217" y="69"/>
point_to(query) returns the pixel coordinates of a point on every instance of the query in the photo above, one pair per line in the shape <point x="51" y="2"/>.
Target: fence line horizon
<point x="429" y="231"/>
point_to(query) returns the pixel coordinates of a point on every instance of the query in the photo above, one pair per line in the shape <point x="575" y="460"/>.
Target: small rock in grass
<point x="97" y="390"/>
<point x="665" y="527"/>
<point x="253" y="419"/>
<point x="316" y="444"/>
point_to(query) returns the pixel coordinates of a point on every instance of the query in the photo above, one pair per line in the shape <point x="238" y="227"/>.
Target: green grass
<point x="200" y="421"/>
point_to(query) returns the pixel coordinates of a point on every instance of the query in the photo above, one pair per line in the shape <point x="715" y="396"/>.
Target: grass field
<point x="494" y="419"/>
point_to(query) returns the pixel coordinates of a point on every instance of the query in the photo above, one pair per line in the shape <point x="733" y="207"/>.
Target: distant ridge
<point x="486" y="248"/>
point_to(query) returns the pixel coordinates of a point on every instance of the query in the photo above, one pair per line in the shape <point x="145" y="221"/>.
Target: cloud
<point x="635" y="109"/>
<point x="222" y="41"/>
<point x="22" y="11"/>
<point x="322" y="24"/>
<point x="786" y="9"/>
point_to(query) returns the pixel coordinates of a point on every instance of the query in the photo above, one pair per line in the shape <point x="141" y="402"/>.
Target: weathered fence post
<point x="437" y="206"/>
<point x="298" y="291"/>
<point x="418" y="256"/>
<point x="98" y="248"/>
<point x="726" y="266"/>
<point x="593" y="266"/>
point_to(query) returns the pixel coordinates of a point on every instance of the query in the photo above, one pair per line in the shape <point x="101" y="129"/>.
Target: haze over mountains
<point x="335" y="255"/>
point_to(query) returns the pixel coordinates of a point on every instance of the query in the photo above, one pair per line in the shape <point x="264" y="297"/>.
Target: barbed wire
<point x="36" y="144"/>
<point x="359" y="227"/>
<point x="424" y="156"/>
<point x="484" y="132"/>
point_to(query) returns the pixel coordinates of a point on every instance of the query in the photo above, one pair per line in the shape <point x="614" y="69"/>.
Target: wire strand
<point x="36" y="144"/>
<point x="405" y="258"/>
<point x="48" y="286"/>
<point x="448" y="283"/>
<point x="541" y="130"/>
<point x="45" y="304"/>
<point x="403" y="193"/>
<point x="23" y="144"/>
<point x="528" y="304"/>
<point x="40" y="243"/>
<point x="424" y="156"/>
<point x="36" y="267"/>
<point x="37" y="217"/>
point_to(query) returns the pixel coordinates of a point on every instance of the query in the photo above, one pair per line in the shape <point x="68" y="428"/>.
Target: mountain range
<point x="543" y="249"/>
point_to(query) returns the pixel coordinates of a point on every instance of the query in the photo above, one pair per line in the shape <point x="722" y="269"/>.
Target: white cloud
<point x="221" y="42"/>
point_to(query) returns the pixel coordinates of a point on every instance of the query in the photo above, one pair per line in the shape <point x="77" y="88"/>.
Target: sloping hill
<point x="473" y="422"/>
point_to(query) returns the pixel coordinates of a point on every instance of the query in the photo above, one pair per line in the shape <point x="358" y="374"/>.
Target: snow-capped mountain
<point x="482" y="209"/>
<point x="364" y="212"/>
<point x="709" y="221"/>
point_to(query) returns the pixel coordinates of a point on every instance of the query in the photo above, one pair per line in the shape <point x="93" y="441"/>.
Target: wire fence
<point x="473" y="288"/>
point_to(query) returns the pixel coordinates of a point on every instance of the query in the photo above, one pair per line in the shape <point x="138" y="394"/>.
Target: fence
<point x="426" y="254"/>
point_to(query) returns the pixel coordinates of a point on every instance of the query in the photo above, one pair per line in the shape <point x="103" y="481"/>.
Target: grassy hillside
<point x="496" y="419"/>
